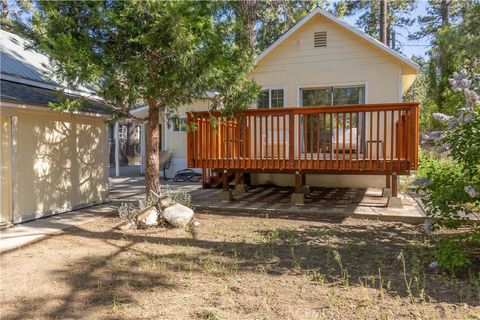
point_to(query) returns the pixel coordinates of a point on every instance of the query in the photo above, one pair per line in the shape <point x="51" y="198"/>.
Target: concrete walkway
<point x="36" y="230"/>
<point x="128" y="187"/>
<point x="323" y="202"/>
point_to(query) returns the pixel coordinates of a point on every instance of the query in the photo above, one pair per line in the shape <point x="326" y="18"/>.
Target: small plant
<point x="128" y="210"/>
<point x="179" y="196"/>
<point x="343" y="271"/>
<point x="408" y="282"/>
<point x="207" y="314"/>
<point x="317" y="277"/>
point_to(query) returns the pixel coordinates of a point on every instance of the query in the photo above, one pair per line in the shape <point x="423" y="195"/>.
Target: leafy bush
<point x="180" y="196"/>
<point x="129" y="210"/>
<point x="452" y="254"/>
<point x="452" y="178"/>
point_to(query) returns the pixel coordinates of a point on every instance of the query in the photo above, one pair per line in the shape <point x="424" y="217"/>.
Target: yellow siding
<point x="5" y="171"/>
<point x="61" y="163"/>
<point x="347" y="60"/>
<point x="177" y="141"/>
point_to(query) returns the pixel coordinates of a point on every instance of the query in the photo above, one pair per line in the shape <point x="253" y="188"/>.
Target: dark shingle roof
<point x="18" y="92"/>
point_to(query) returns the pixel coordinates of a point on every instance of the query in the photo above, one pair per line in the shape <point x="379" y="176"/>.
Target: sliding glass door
<point x="318" y="127"/>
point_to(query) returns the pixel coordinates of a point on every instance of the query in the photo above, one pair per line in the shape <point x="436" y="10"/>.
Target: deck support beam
<point x="298" y="196"/>
<point x="394" y="202"/>
<point x="305" y="187"/>
<point x="226" y="194"/>
<point x="240" y="185"/>
<point x="394" y="185"/>
<point x="387" y="191"/>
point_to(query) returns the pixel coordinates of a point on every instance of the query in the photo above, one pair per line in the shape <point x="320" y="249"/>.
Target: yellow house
<point x="50" y="162"/>
<point x="348" y="77"/>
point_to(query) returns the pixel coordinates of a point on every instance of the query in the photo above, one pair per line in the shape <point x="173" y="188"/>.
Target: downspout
<point x="117" y="150"/>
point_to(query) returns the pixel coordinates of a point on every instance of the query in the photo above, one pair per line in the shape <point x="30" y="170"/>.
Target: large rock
<point x="178" y="215"/>
<point x="148" y="217"/>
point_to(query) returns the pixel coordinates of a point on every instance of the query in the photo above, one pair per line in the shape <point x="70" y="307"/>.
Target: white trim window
<point x="271" y="98"/>
<point x="332" y="96"/>
<point x="179" y="125"/>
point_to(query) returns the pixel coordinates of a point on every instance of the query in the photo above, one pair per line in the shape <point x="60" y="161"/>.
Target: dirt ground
<point x="235" y="267"/>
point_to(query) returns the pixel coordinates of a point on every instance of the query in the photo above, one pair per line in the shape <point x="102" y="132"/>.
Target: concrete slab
<point x="29" y="232"/>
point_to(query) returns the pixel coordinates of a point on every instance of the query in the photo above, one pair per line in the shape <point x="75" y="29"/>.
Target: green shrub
<point x="129" y="210"/>
<point x="179" y="196"/>
<point x="452" y="254"/>
<point x="452" y="178"/>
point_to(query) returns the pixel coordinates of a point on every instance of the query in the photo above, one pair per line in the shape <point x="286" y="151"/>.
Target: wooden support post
<point x="226" y="194"/>
<point x="298" y="182"/>
<point x="387" y="191"/>
<point x="394" y="185"/>
<point x="238" y="178"/>
<point x="225" y="180"/>
<point x="204" y="178"/>
<point x="298" y="196"/>
<point x="240" y="185"/>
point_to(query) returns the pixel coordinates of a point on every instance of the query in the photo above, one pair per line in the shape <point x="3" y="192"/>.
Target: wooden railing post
<point x="190" y="142"/>
<point x="291" y="139"/>
<point x="414" y="136"/>
<point x="230" y="145"/>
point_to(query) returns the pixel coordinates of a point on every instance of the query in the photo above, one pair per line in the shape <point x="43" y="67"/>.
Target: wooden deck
<point x="379" y="139"/>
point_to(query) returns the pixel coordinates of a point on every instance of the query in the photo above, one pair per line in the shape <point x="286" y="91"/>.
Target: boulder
<point x="178" y="215"/>
<point x="148" y="217"/>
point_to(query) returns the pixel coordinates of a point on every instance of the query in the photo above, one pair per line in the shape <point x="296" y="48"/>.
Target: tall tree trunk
<point x="246" y="16"/>
<point x="383" y="21"/>
<point x="152" y="172"/>
<point x="444" y="11"/>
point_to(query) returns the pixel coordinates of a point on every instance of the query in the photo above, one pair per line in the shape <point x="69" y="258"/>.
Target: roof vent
<point x="320" y="39"/>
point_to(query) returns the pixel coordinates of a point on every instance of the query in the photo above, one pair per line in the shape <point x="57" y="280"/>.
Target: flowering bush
<point x="452" y="184"/>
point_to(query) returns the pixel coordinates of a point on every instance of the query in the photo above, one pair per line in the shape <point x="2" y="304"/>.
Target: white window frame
<point x="122" y="131"/>
<point x="327" y="85"/>
<point x="331" y="85"/>
<point x="270" y="97"/>
<point x="180" y="131"/>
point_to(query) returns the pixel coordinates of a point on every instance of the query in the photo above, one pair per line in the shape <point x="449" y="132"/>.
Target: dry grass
<point x="235" y="267"/>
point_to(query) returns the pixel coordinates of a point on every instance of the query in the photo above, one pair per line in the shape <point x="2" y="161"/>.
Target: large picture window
<point x="271" y="98"/>
<point x="329" y="96"/>
<point x="332" y="96"/>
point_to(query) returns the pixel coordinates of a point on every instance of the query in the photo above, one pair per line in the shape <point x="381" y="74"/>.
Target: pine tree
<point x="164" y="54"/>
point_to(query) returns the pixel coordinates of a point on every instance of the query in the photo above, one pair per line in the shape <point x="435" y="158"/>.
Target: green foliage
<point x="179" y="196"/>
<point x="445" y="59"/>
<point x="277" y="17"/>
<point x="166" y="53"/>
<point x="452" y="254"/>
<point x="398" y="15"/>
<point x="446" y="197"/>
<point x="12" y="11"/>
<point x="445" y="194"/>
<point x="129" y="210"/>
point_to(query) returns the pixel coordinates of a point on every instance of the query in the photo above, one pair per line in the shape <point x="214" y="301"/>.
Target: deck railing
<point x="350" y="139"/>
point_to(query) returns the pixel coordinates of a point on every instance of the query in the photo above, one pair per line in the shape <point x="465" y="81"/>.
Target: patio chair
<point x="338" y="141"/>
<point x="165" y="159"/>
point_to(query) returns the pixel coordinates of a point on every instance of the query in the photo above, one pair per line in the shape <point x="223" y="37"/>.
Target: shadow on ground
<point x="331" y="254"/>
